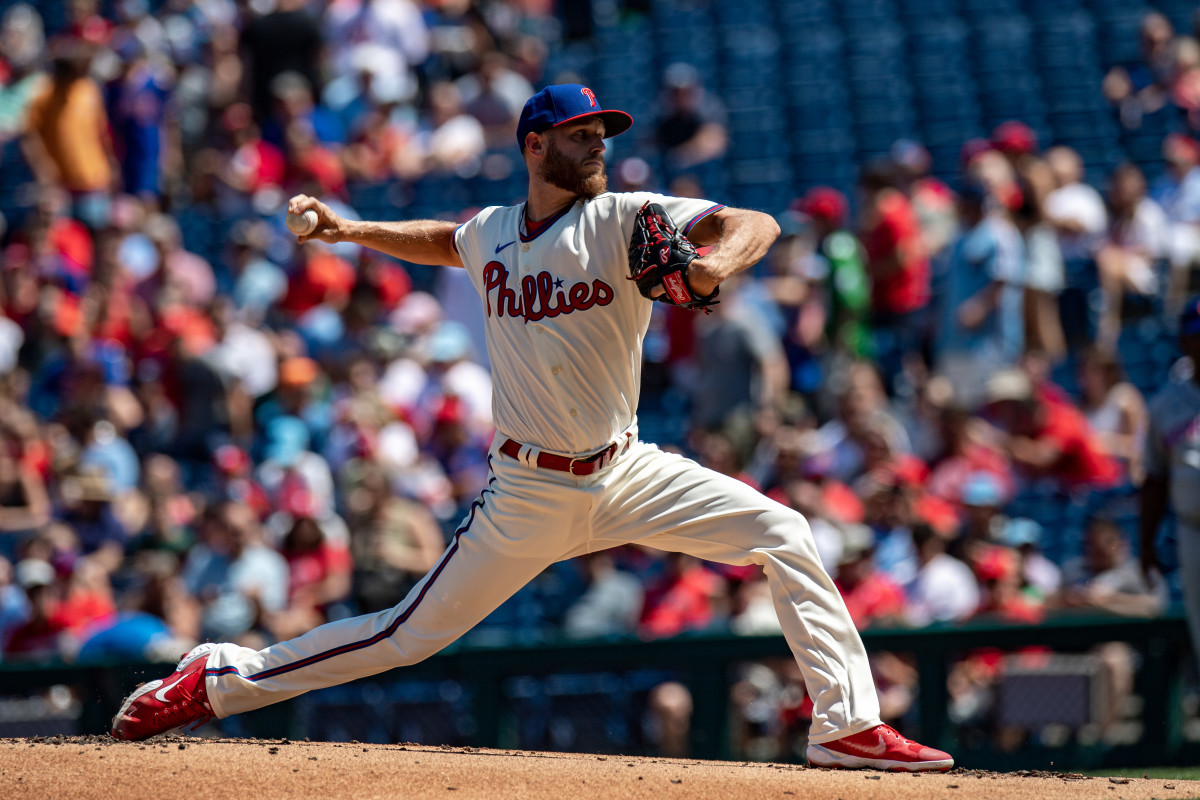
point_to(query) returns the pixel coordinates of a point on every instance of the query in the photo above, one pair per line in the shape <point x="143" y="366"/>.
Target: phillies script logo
<point x="542" y="295"/>
<point x="586" y="92"/>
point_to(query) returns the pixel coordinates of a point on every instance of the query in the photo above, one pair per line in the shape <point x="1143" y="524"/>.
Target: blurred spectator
<point x="610" y="606"/>
<point x="1177" y="190"/>
<point x="740" y="364"/>
<point x="22" y="41"/>
<point x="68" y="143"/>
<point x="983" y="326"/>
<point x="139" y="121"/>
<point x="688" y="596"/>
<point x="944" y="588"/>
<point x="38" y="635"/>
<point x="14" y="604"/>
<point x="495" y="95"/>
<point x="1074" y="208"/>
<point x="870" y="595"/>
<point x="1115" y="410"/>
<point x="237" y="578"/>
<point x="319" y="574"/>
<point x="864" y="420"/>
<point x="898" y="266"/>
<point x="394" y="542"/>
<point x="691" y="124"/>
<point x="1108" y="577"/>
<point x="969" y="461"/>
<point x="932" y="199"/>
<point x="1040" y="576"/>
<point x="288" y="38"/>
<point x="1045" y="272"/>
<point x="983" y="499"/>
<point x="1003" y="599"/>
<point x="1046" y="439"/>
<point x="1127" y="260"/>
<point x="392" y="35"/>
<point x="1140" y="89"/>
<point x="454" y="141"/>
<point x="844" y="274"/>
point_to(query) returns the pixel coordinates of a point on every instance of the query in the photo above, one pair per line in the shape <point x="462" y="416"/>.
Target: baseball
<point x="302" y="224"/>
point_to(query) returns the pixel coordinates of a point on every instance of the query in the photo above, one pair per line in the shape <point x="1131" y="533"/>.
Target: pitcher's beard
<point x="558" y="170"/>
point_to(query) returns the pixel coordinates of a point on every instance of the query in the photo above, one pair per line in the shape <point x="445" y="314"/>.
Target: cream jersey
<point x="564" y="324"/>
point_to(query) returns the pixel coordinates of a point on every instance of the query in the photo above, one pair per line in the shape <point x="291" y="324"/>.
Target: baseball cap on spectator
<point x="910" y="156"/>
<point x="937" y="514"/>
<point x="1014" y="138"/>
<point x="298" y="371"/>
<point x="449" y="342"/>
<point x="972" y="149"/>
<point x="232" y="460"/>
<point x="287" y="438"/>
<point x="567" y="102"/>
<point x="1179" y="148"/>
<point x="32" y="572"/>
<point x="1189" y="319"/>
<point x="997" y="563"/>
<point x="823" y="203"/>
<point x="419" y="311"/>
<point x="1021" y="531"/>
<point x="982" y="489"/>
<point x="1009" y="385"/>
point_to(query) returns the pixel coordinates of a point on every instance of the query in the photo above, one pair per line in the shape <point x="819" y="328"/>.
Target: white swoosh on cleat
<point x="161" y="694"/>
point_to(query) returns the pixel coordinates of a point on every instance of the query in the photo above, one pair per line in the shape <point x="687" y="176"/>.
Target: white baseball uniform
<point x="564" y="331"/>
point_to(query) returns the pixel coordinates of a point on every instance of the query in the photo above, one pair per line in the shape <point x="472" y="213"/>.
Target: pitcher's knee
<point x="789" y="532"/>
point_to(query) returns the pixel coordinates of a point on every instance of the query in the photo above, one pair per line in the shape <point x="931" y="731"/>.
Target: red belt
<point x="575" y="466"/>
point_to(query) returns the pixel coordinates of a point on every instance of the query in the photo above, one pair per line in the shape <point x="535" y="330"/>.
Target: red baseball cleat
<point x="165" y="705"/>
<point x="879" y="748"/>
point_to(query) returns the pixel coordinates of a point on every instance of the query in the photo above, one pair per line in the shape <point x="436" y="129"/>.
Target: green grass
<point x="1168" y="773"/>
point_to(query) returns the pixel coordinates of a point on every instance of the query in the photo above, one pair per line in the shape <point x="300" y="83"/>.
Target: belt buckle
<point x="598" y="459"/>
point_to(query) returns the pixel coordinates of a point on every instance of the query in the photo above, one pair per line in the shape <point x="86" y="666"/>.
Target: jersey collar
<point x="531" y="230"/>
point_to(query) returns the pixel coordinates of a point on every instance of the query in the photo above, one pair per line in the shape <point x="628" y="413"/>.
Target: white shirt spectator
<point x="247" y="354"/>
<point x="944" y="590"/>
<point x="1079" y="203"/>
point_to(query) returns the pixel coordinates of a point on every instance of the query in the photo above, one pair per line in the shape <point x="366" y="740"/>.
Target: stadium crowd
<point x="210" y="433"/>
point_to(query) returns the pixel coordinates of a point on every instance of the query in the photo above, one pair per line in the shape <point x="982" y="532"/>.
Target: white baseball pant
<point x="528" y="518"/>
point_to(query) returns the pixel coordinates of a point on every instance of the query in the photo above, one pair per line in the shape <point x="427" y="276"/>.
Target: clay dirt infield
<point x="86" y="767"/>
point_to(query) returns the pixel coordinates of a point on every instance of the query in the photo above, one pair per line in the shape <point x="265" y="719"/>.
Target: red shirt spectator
<point x="1081" y="458"/>
<point x="1048" y="438"/>
<point x="896" y="255"/>
<point x="685" y="602"/>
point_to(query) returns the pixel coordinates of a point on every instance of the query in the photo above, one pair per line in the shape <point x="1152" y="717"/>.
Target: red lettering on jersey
<point x="586" y="92"/>
<point x="538" y="299"/>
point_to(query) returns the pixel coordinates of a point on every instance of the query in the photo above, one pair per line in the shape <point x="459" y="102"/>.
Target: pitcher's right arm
<point x="423" y="241"/>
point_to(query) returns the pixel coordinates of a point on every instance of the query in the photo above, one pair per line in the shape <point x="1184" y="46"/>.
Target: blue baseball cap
<point x="567" y="102"/>
<point x="1189" y="320"/>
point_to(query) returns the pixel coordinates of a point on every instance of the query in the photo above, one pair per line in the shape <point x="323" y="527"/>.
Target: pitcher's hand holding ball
<point x="303" y="210"/>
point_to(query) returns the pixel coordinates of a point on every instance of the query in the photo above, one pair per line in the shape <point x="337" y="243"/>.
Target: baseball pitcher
<point x="566" y="281"/>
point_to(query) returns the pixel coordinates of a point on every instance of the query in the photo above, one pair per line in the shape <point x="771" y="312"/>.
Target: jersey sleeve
<point x="466" y="241"/>
<point x="685" y="211"/>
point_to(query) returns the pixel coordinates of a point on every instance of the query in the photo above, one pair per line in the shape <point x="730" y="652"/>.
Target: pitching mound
<point x="85" y="767"/>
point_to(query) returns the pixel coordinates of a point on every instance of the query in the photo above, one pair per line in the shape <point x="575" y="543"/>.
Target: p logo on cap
<point x="567" y="102"/>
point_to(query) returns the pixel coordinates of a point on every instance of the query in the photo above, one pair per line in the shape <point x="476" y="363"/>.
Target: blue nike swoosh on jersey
<point x="500" y="247"/>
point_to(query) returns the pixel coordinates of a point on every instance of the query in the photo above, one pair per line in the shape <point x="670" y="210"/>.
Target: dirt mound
<point x="170" y="768"/>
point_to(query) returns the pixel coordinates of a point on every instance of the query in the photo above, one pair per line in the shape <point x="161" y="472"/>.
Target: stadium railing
<point x="706" y="664"/>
